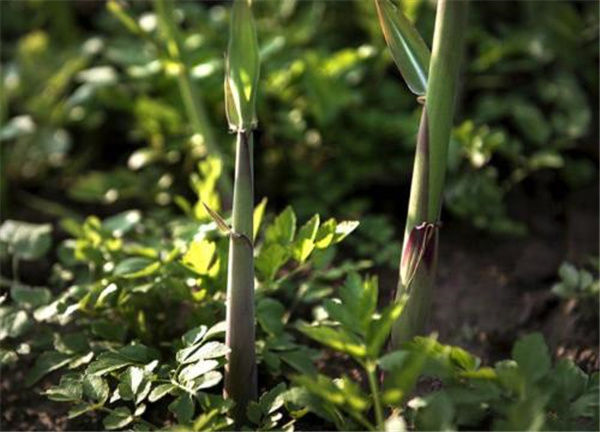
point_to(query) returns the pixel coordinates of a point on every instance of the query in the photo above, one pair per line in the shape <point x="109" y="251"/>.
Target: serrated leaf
<point x="338" y="339"/>
<point x="531" y="354"/>
<point x="283" y="228"/>
<point x="379" y="330"/>
<point x="270" y="259"/>
<point x="304" y="242"/>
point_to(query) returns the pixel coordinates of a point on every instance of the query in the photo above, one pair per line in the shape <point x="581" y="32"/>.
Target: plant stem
<point x="371" y="369"/>
<point x="240" y="371"/>
<point x="192" y="103"/>
<point x="419" y="259"/>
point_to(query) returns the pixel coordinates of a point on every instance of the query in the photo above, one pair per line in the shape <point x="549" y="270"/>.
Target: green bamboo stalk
<point x="241" y="79"/>
<point x="190" y="95"/>
<point x="240" y="371"/>
<point x="419" y="258"/>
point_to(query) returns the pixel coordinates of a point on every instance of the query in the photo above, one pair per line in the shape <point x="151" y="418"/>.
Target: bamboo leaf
<point x="242" y="68"/>
<point x="409" y="51"/>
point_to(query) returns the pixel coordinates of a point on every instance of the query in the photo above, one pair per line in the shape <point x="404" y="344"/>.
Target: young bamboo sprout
<point x="419" y="257"/>
<point x="241" y="77"/>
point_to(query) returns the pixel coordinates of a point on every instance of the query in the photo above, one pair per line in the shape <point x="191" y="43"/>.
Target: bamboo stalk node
<point x="421" y="99"/>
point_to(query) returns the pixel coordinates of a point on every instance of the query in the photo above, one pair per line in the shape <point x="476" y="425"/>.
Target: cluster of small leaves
<point x="123" y="382"/>
<point x="21" y="241"/>
<point x="351" y="325"/>
<point x="524" y="393"/>
<point x="130" y="285"/>
<point x="576" y="283"/>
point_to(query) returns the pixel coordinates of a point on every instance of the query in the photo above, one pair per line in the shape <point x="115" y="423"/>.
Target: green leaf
<point x="71" y="343"/>
<point x="134" y="384"/>
<point x="183" y="408"/>
<point x="126" y="356"/>
<point x="194" y="370"/>
<point x="25" y="240"/>
<point x="207" y="380"/>
<point x="325" y="234"/>
<point x="118" y="418"/>
<point x="209" y="350"/>
<point x="270" y="259"/>
<point x="304" y="242"/>
<point x="379" y="330"/>
<point x="242" y="68"/>
<point x="68" y="390"/>
<point x="194" y="335"/>
<point x="283" y="228"/>
<point x="409" y="51"/>
<point x="343" y="229"/>
<point x="199" y="256"/>
<point x="257" y="217"/>
<point x="437" y="414"/>
<point x="47" y="362"/>
<point x="254" y="413"/>
<point x="107" y="362"/>
<point x="136" y="267"/>
<point x="272" y="400"/>
<point x="122" y="223"/>
<point x="30" y="297"/>
<point x="269" y="313"/>
<point x="160" y="391"/>
<point x="338" y="339"/>
<point x="531" y="354"/>
<point x="79" y="409"/>
<point x="110" y="331"/>
<point x="95" y="388"/>
<point x="300" y="360"/>
<point x="13" y="322"/>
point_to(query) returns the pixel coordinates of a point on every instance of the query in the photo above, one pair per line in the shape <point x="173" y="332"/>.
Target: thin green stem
<point x="371" y="369"/>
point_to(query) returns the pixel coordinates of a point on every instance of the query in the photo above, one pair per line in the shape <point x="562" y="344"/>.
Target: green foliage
<point x="576" y="283"/>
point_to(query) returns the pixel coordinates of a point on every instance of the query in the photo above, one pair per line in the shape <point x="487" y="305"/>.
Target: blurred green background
<point x="92" y="118"/>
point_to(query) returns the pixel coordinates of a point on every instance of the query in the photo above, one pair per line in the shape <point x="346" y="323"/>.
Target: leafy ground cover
<point x="113" y="294"/>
